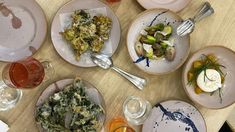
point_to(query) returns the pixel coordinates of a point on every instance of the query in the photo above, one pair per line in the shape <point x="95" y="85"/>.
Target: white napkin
<point x="3" y="126"/>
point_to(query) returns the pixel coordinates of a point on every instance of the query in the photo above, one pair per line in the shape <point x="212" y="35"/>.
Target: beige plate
<point x="23" y="29"/>
<point x="227" y="58"/>
<point x="174" y="5"/>
<point x="186" y="117"/>
<point x="64" y="49"/>
<point x="91" y="91"/>
<point x="181" y="43"/>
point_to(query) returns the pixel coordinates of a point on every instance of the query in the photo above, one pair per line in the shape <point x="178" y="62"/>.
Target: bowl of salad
<point x="153" y="44"/>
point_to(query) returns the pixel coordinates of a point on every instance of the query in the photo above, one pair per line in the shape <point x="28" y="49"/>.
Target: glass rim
<point x="123" y="126"/>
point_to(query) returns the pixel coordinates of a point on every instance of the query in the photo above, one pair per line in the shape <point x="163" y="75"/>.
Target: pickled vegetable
<point x="212" y="57"/>
<point x="167" y="29"/>
<point x="198" y="90"/>
<point x="197" y="64"/>
<point x="190" y="75"/>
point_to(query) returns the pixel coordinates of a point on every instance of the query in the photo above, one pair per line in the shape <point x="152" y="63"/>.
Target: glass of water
<point x="8" y="96"/>
<point x="136" y="110"/>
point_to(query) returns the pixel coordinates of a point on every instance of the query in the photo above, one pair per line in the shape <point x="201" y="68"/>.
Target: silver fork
<point x="188" y="25"/>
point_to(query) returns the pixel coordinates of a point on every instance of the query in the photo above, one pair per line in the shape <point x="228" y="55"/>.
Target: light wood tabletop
<point x="218" y="29"/>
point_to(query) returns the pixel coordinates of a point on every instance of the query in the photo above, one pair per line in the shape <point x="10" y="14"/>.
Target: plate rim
<point x="128" y="31"/>
<point x="142" y="5"/>
<point x="44" y="35"/>
<point x="184" y="71"/>
<point x="64" y="79"/>
<point x="187" y="102"/>
<point x="82" y="66"/>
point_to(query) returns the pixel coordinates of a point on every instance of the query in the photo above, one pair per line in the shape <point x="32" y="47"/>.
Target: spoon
<point x="106" y="62"/>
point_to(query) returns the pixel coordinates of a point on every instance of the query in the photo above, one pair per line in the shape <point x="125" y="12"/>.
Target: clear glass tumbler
<point x="136" y="110"/>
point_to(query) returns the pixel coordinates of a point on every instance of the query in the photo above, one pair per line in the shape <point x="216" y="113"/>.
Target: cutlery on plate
<point x="106" y="62"/>
<point x="188" y="25"/>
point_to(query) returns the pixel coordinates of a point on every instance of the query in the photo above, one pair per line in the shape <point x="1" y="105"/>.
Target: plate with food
<point x="83" y="27"/>
<point x="208" y="77"/>
<point x="153" y="43"/>
<point x="70" y="105"/>
<point x="23" y="29"/>
<point x="174" y="5"/>
<point x="174" y="115"/>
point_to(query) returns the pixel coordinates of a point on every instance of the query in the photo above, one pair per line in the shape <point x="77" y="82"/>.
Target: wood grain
<point x="218" y="29"/>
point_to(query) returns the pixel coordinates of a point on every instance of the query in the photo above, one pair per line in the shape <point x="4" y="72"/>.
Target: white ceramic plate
<point x="226" y="58"/>
<point x="174" y="116"/>
<point x="182" y="44"/>
<point x="23" y="29"/>
<point x="174" y="5"/>
<point x="92" y="92"/>
<point x="64" y="49"/>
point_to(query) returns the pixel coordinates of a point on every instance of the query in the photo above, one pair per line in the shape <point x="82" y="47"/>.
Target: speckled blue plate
<point x="174" y="116"/>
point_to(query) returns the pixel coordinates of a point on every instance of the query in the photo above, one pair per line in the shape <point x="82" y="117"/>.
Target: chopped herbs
<point x="69" y="110"/>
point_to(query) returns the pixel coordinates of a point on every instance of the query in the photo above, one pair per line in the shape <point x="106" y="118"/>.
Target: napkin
<point x="3" y="126"/>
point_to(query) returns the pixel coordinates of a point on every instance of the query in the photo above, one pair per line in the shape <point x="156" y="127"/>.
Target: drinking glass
<point x="22" y="74"/>
<point x="119" y="124"/>
<point x="136" y="110"/>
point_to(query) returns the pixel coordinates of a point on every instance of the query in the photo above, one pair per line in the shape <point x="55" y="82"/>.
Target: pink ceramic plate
<point x="93" y="94"/>
<point x="64" y="49"/>
<point x="227" y="58"/>
<point x="182" y="44"/>
<point x="23" y="29"/>
<point x="174" y="116"/>
<point x="174" y="5"/>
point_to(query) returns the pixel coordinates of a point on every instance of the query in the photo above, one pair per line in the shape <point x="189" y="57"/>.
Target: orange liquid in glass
<point x="119" y="124"/>
<point x="28" y="73"/>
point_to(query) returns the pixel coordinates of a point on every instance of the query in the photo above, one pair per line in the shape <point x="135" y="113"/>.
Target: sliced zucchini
<point x="167" y="30"/>
<point x="159" y="27"/>
<point x="151" y="39"/>
<point x="164" y="45"/>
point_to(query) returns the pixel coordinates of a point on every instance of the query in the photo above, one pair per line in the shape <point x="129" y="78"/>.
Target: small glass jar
<point x="136" y="110"/>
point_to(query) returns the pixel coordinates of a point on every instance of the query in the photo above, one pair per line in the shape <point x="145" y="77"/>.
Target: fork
<point x="187" y="26"/>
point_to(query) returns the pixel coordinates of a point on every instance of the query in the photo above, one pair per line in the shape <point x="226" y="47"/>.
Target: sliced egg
<point x="209" y="81"/>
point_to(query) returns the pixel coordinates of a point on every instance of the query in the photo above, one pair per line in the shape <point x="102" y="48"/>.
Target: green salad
<point x="155" y="42"/>
<point x="69" y="110"/>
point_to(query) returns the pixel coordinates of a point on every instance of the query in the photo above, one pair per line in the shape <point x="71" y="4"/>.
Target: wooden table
<point x="219" y="29"/>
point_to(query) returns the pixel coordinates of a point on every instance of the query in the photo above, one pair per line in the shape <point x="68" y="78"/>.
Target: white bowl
<point x="182" y="45"/>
